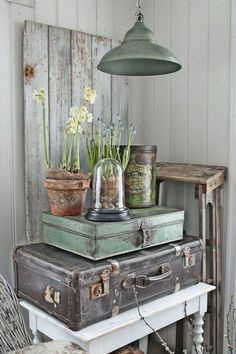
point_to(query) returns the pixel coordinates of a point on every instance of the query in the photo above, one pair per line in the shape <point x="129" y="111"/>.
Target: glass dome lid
<point x="108" y="201"/>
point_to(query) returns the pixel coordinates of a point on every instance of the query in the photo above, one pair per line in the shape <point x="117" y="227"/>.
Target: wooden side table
<point x="115" y="332"/>
<point x="208" y="181"/>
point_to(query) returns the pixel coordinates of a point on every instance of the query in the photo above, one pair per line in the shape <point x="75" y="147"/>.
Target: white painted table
<point x="115" y="332"/>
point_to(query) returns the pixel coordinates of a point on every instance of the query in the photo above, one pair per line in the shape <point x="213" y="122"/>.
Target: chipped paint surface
<point x="98" y="240"/>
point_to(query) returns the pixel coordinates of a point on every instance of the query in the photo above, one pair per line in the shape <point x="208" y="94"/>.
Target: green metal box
<point x="97" y="240"/>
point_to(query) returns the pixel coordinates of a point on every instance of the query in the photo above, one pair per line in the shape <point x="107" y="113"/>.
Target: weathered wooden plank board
<point x="35" y="57"/>
<point x="63" y="62"/>
<point x="59" y="88"/>
<point x="81" y="54"/>
<point x="209" y="176"/>
<point x="101" y="81"/>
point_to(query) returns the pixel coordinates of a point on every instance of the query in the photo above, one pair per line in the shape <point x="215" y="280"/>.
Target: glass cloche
<point x="108" y="202"/>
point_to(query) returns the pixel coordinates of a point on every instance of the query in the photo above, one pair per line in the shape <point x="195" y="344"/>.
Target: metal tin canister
<point x="140" y="177"/>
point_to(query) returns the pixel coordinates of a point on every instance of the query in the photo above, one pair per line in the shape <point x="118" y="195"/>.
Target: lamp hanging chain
<point x="139" y="4"/>
<point x="139" y="13"/>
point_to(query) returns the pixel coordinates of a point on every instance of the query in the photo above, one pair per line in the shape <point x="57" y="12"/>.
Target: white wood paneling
<point x="6" y="186"/>
<point x="229" y="259"/>
<point x="219" y="61"/>
<point x="105" y="18"/>
<point x="87" y="16"/>
<point x="162" y="98"/>
<point x="198" y="84"/>
<point x="18" y="15"/>
<point x="46" y="11"/>
<point x="68" y="13"/>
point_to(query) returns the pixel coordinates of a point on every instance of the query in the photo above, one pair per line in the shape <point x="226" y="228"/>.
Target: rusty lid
<point x="143" y="148"/>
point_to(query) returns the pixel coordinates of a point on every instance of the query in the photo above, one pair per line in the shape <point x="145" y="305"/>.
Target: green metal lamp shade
<point x="139" y="55"/>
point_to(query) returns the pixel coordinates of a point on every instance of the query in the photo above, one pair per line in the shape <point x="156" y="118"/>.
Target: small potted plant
<point x="67" y="185"/>
<point x="104" y="144"/>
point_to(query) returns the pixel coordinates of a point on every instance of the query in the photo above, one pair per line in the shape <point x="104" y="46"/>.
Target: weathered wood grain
<point x="101" y="81"/>
<point x="81" y="54"/>
<point x="63" y="62"/>
<point x="209" y="176"/>
<point x="59" y="88"/>
<point x="36" y="57"/>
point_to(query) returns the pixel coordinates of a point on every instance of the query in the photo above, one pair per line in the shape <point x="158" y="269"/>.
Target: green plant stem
<point x="68" y="162"/>
<point x="47" y="163"/>
<point x="77" y="152"/>
<point x="64" y="151"/>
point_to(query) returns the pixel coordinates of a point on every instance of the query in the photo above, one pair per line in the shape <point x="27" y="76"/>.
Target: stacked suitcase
<point x="86" y="271"/>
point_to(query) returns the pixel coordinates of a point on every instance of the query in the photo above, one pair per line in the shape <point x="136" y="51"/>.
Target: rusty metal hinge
<point x="101" y="288"/>
<point x="52" y="296"/>
<point x="146" y="232"/>
<point x="189" y="259"/>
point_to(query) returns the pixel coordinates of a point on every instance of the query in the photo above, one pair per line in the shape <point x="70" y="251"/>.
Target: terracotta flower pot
<point x="67" y="197"/>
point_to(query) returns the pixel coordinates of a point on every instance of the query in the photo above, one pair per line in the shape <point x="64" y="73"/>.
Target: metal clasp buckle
<point x="147" y="234"/>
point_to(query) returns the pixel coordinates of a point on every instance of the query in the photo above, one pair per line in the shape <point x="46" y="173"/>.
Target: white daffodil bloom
<point x="89" y="117"/>
<point x="83" y="110"/>
<point x="74" y="111"/>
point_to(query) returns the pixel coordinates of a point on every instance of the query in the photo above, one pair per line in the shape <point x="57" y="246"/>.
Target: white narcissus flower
<point x="82" y="117"/>
<point x="89" y="95"/>
<point x="89" y="117"/>
<point x="74" y="111"/>
<point x="83" y="110"/>
<point x="72" y="126"/>
<point x="87" y="89"/>
<point x="79" y="130"/>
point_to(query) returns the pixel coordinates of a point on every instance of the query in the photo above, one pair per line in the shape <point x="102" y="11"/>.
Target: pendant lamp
<point x="139" y="54"/>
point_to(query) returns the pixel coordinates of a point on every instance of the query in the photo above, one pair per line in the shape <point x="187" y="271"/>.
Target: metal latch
<point x="102" y="288"/>
<point x="52" y="296"/>
<point x="146" y="231"/>
<point x="177" y="249"/>
<point x="189" y="259"/>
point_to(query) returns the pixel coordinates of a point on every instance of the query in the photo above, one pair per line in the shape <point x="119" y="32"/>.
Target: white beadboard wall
<point x="187" y="114"/>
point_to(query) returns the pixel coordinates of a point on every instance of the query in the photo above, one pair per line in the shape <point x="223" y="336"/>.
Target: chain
<point x="139" y="13"/>
<point x="163" y="343"/>
<point x="139" y="4"/>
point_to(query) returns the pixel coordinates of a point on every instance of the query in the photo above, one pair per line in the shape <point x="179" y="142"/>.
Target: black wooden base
<point x="108" y="214"/>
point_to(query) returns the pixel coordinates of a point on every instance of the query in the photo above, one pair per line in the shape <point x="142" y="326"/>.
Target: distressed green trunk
<point x="97" y="240"/>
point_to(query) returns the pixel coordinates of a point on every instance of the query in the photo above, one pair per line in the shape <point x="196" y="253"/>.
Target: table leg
<point x="143" y="344"/>
<point x="198" y="331"/>
<point x="37" y="336"/>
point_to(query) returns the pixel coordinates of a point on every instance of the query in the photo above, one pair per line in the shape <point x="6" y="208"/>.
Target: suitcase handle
<point x="143" y="281"/>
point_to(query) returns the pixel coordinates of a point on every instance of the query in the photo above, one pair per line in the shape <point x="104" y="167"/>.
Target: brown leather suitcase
<point x="81" y="292"/>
